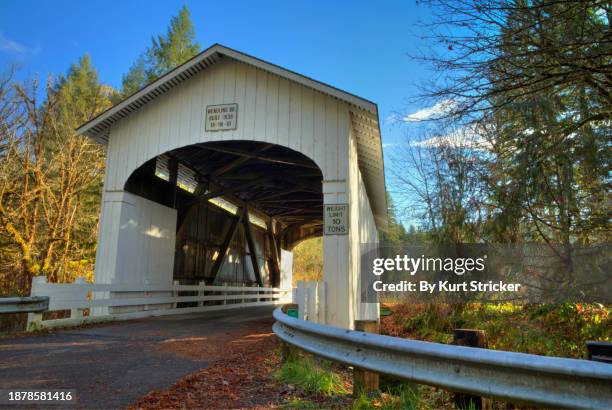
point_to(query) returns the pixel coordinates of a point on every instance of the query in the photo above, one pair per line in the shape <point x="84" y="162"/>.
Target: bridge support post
<point x="365" y="381"/>
<point x="338" y="274"/>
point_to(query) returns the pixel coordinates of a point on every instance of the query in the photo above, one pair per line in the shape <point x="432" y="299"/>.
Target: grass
<point x="299" y="403"/>
<point x="313" y="378"/>
<point x="310" y="376"/>
<point x="400" y="397"/>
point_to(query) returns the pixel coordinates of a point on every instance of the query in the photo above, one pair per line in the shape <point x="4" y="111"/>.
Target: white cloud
<point x="466" y="137"/>
<point x="12" y="46"/>
<point x="430" y="113"/>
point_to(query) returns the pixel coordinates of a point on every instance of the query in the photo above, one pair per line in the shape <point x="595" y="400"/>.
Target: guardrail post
<point x="288" y="352"/>
<point x="35" y="319"/>
<point x="365" y="381"/>
<point x="78" y="313"/>
<point x="599" y="351"/>
<point x="470" y="338"/>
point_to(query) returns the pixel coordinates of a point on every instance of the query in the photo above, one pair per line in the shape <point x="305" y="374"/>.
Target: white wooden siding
<point x="137" y="239"/>
<point x="270" y="109"/>
<point x="362" y="231"/>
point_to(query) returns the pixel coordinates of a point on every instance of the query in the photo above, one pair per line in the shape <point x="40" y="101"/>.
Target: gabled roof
<point x="364" y="115"/>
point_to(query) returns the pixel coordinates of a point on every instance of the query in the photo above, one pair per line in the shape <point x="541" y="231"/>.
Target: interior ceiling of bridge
<point x="279" y="182"/>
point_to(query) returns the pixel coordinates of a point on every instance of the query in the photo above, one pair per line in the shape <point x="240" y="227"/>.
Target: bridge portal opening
<point x="238" y="204"/>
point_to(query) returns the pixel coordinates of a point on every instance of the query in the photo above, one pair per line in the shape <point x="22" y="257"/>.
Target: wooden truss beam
<point x="294" y="207"/>
<point x="288" y="201"/>
<point x="222" y="190"/>
<point x="299" y="218"/>
<point x="300" y="225"/>
<point x="252" y="250"/>
<point x="237" y="162"/>
<point x="275" y="255"/>
<point x="300" y="212"/>
<point x="266" y="197"/>
<point x="267" y="158"/>
<point x="231" y="232"/>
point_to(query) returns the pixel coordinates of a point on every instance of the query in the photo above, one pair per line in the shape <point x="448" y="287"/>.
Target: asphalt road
<point x="112" y="365"/>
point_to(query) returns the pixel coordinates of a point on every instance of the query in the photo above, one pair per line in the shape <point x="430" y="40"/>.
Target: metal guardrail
<point x="24" y="304"/>
<point x="508" y="376"/>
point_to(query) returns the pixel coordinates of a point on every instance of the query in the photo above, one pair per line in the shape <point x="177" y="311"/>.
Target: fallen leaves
<point x="241" y="378"/>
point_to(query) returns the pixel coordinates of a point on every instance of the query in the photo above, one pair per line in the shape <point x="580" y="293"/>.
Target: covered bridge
<point x="218" y="168"/>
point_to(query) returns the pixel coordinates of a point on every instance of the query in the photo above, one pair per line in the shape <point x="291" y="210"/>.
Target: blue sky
<point x="358" y="46"/>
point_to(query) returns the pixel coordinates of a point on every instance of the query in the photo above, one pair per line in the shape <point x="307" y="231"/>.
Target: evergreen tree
<point x="175" y="48"/>
<point x="79" y="94"/>
<point x="164" y="54"/>
<point x="134" y="80"/>
<point x="396" y="235"/>
<point x="552" y="154"/>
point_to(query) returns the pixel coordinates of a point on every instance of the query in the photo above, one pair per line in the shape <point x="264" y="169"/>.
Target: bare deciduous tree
<point x="49" y="178"/>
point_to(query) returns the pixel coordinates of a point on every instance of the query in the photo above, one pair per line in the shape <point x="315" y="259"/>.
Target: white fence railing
<point x="310" y="298"/>
<point x="89" y="302"/>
